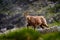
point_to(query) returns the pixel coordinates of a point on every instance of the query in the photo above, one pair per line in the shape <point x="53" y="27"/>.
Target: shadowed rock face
<point x="12" y="22"/>
<point x="17" y="7"/>
<point x="2" y="15"/>
<point x="6" y="27"/>
<point x="56" y="17"/>
<point x="8" y="4"/>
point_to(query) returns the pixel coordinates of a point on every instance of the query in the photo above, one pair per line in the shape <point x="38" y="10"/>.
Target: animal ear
<point x="25" y="13"/>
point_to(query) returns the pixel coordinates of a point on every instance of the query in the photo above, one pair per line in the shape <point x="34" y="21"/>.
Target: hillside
<point x="11" y="12"/>
<point x="13" y="23"/>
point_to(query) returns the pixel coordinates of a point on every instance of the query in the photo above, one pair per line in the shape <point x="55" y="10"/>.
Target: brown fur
<point x="36" y="20"/>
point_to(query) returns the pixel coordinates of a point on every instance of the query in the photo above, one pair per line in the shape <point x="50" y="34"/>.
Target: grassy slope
<point x="51" y="36"/>
<point x="29" y="34"/>
<point x="21" y="34"/>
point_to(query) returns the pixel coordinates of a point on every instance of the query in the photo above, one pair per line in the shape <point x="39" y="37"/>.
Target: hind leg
<point x="42" y="26"/>
<point x="45" y="25"/>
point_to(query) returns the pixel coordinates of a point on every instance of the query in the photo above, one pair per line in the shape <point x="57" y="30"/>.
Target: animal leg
<point x="28" y="26"/>
<point x="45" y="25"/>
<point x="44" y="22"/>
<point x="42" y="26"/>
<point x="34" y="27"/>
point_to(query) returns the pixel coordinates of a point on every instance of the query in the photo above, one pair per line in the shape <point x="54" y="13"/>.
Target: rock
<point x="49" y="30"/>
<point x="58" y="28"/>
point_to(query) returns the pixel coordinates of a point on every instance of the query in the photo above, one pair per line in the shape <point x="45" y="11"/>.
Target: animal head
<point x="25" y="13"/>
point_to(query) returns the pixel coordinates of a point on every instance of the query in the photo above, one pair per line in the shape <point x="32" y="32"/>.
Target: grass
<point x="29" y="34"/>
<point x="21" y="34"/>
<point x="51" y="36"/>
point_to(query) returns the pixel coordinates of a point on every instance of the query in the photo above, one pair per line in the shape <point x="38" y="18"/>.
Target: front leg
<point x="34" y="27"/>
<point x="28" y="26"/>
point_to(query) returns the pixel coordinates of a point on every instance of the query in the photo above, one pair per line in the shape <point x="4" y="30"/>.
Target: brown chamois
<point x="35" y="20"/>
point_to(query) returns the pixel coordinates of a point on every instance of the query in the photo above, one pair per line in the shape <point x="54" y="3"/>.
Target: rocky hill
<point x="11" y="11"/>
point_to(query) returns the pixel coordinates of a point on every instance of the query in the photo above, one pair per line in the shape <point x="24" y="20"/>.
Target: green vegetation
<point x="54" y="24"/>
<point x="21" y="34"/>
<point x="29" y="34"/>
<point x="54" y="9"/>
<point x="51" y="36"/>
